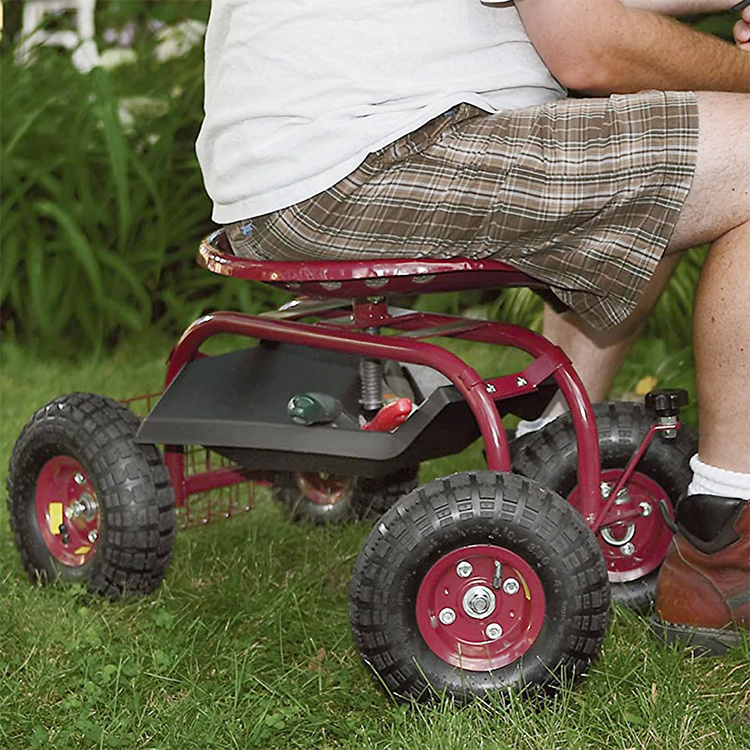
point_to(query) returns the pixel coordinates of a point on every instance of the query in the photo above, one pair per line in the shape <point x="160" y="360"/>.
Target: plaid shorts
<point x="582" y="194"/>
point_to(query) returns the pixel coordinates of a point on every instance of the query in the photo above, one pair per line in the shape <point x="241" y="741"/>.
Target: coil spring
<point x="371" y="376"/>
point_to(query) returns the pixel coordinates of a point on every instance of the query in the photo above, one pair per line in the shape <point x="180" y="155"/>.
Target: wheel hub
<point x="84" y="507"/>
<point x="67" y="511"/>
<point x="474" y="621"/>
<point x="479" y="602"/>
<point x="322" y="488"/>
<point x="636" y="547"/>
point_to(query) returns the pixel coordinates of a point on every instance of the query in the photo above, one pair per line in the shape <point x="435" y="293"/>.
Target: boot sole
<point x="701" y="641"/>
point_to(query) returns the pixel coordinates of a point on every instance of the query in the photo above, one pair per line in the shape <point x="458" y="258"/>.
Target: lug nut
<point x="645" y="509"/>
<point x="464" y="569"/>
<point x="447" y="616"/>
<point x="627" y="549"/>
<point x="493" y="631"/>
<point x="93" y="535"/>
<point x="79" y="478"/>
<point x="480" y="604"/>
<point x="511" y="586"/>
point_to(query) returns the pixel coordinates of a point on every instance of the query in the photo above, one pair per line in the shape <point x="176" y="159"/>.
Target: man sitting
<point x="438" y="128"/>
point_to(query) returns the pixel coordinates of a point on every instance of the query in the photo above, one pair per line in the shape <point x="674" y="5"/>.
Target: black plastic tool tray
<point x="236" y="403"/>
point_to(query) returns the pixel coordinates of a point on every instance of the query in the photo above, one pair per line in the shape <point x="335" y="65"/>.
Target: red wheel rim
<point x="648" y="533"/>
<point x="323" y="489"/>
<point x="468" y="641"/>
<point x="67" y="511"/>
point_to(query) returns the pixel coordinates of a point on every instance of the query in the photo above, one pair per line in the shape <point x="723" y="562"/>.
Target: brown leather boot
<point x="703" y="590"/>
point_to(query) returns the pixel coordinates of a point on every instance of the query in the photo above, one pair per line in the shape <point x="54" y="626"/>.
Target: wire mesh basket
<point x="202" y="507"/>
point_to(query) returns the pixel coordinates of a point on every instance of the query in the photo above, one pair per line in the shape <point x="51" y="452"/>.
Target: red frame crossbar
<point x="407" y="345"/>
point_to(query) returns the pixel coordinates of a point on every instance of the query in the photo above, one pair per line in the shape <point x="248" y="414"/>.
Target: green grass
<point x="247" y="643"/>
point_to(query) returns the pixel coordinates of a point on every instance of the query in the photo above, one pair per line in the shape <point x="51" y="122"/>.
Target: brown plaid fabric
<point x="582" y="194"/>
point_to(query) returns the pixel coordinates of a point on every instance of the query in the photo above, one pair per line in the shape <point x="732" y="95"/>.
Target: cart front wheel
<point x="476" y="583"/>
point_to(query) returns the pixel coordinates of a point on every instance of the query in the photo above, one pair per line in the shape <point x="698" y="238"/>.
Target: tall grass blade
<point x="117" y="148"/>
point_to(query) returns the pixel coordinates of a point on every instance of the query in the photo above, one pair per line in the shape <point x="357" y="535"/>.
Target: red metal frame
<point x="359" y="281"/>
<point x="479" y="393"/>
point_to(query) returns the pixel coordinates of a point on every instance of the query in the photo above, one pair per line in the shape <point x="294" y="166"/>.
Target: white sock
<point x="710" y="480"/>
<point x="556" y="408"/>
<point x="524" y="427"/>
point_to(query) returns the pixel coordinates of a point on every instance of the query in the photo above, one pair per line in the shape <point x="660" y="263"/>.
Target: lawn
<point x="247" y="644"/>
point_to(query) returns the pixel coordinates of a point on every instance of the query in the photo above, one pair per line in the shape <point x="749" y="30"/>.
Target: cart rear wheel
<point x="330" y="498"/>
<point x="633" y="550"/>
<point x="476" y="583"/>
<point x="86" y="502"/>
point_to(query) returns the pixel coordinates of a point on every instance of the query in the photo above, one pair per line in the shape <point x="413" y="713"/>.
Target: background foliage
<point x="103" y="202"/>
<point x="102" y="199"/>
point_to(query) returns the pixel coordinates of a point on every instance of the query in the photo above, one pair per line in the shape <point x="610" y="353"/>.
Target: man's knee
<point x="719" y="197"/>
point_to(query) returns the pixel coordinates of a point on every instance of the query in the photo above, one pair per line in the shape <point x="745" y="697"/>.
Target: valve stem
<point x="497" y="579"/>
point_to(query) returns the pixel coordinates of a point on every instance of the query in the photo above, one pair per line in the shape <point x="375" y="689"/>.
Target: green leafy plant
<point x="103" y="202"/>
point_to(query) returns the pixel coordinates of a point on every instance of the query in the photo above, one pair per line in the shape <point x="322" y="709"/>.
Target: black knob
<point x="666" y="402"/>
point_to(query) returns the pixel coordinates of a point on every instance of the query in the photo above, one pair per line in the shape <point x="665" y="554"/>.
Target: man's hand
<point x="742" y="30"/>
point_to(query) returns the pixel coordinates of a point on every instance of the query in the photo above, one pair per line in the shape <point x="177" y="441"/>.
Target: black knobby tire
<point x="353" y="498"/>
<point x="550" y="457"/>
<point x="454" y="515"/>
<point x="373" y="497"/>
<point x="132" y="503"/>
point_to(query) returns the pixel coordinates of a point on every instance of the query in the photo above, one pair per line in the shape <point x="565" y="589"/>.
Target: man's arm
<point x="681" y="7"/>
<point x="605" y="47"/>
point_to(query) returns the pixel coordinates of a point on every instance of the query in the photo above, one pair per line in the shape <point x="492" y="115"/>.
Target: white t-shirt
<point x="299" y="92"/>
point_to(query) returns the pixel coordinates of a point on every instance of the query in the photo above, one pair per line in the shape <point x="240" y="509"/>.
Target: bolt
<point x="511" y="586"/>
<point x="668" y="422"/>
<point x="627" y="549"/>
<point x="93" y="535"/>
<point x="464" y="569"/>
<point x="74" y="510"/>
<point x="480" y="603"/>
<point x="490" y="388"/>
<point x="79" y="478"/>
<point x="645" y="509"/>
<point x="622" y="497"/>
<point x="447" y="616"/>
<point x="493" y="631"/>
<point x="521" y="382"/>
<point x="606" y="489"/>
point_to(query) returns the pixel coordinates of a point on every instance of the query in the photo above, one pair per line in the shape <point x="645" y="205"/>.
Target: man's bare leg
<point x="718" y="209"/>
<point x="722" y="351"/>
<point x="703" y="590"/>
<point x="718" y="204"/>
<point x="598" y="355"/>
